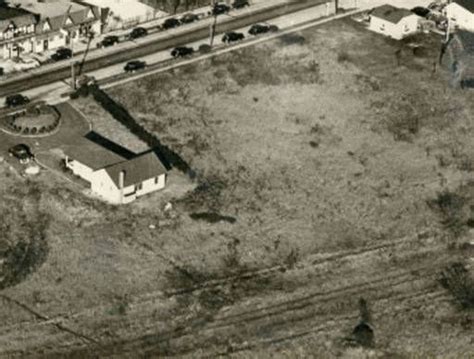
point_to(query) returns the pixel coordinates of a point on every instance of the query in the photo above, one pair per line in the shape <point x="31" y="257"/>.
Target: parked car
<point x="170" y="23"/>
<point x="138" y="32"/>
<point x="258" y="29"/>
<point x="220" y="9"/>
<point x="62" y="54"/>
<point x="188" y="18"/>
<point x="16" y="100"/>
<point x="239" y="4"/>
<point x="110" y="40"/>
<point x="21" y="152"/>
<point x="421" y="11"/>
<point x="134" y="65"/>
<point x="232" y="37"/>
<point x="182" y="51"/>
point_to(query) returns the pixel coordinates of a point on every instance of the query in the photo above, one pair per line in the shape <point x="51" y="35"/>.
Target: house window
<point x="139" y="187"/>
<point x="406" y="28"/>
<point x="157" y="179"/>
<point x="382" y="27"/>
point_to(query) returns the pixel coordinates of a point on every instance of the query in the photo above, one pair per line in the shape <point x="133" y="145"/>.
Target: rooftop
<point x="93" y="154"/>
<point x="8" y="13"/>
<point x="49" y="8"/>
<point x="391" y="13"/>
<point x="466" y="39"/>
<point x="467" y="4"/>
<point x="137" y="170"/>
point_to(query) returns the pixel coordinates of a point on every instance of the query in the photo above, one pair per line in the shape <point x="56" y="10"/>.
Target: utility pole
<point x="213" y="25"/>
<point x="73" y="75"/>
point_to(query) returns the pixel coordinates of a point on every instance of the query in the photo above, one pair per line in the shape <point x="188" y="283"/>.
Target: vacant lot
<point x="334" y="185"/>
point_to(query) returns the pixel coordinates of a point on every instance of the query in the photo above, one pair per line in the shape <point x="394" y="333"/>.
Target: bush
<point x="26" y="131"/>
<point x="34" y="130"/>
<point x="343" y="57"/>
<point x="455" y="278"/>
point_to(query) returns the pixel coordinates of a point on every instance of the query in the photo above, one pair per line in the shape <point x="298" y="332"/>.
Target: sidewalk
<point x="155" y="35"/>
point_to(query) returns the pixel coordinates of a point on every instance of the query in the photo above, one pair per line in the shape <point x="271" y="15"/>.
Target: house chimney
<point x="121" y="184"/>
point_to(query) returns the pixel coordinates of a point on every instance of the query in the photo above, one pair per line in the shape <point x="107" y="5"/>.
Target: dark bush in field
<point x="212" y="217"/>
<point x="457" y="280"/>
<point x="453" y="209"/>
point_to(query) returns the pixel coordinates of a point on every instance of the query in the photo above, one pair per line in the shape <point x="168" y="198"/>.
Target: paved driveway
<point x="73" y="126"/>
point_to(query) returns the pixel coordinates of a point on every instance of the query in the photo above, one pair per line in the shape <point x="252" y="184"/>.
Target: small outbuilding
<point x="461" y="14"/>
<point x="117" y="177"/>
<point x="394" y="22"/>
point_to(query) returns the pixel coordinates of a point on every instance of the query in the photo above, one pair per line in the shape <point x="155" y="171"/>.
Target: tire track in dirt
<point x="333" y="324"/>
<point x="257" y="274"/>
<point x="284" y="322"/>
<point x="193" y="328"/>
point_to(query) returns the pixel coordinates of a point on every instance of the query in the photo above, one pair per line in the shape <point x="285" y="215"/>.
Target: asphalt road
<point x="149" y="48"/>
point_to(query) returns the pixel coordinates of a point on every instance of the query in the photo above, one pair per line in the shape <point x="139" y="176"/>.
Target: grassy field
<point x="334" y="184"/>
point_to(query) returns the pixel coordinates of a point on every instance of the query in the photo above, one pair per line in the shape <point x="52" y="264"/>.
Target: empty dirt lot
<point x="334" y="174"/>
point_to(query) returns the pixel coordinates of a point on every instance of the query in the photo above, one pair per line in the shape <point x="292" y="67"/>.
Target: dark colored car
<point x="16" y="100"/>
<point x="22" y="152"/>
<point x="262" y="29"/>
<point x="239" y="4"/>
<point x="232" y="37"/>
<point x="189" y="18"/>
<point x="2" y="72"/>
<point x="182" y="51"/>
<point x="220" y="9"/>
<point x="134" y="65"/>
<point x="62" y="54"/>
<point x="171" y="23"/>
<point x="421" y="11"/>
<point x="109" y="41"/>
<point x="138" y="32"/>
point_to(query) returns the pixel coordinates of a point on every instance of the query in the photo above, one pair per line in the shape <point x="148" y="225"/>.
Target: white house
<point x="394" y="22"/>
<point x="113" y="177"/>
<point x="461" y="14"/>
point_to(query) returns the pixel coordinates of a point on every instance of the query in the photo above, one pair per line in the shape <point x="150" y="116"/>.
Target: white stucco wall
<point x="103" y="186"/>
<point x="406" y="26"/>
<point x="460" y="16"/>
<point x="152" y="185"/>
<point x="80" y="169"/>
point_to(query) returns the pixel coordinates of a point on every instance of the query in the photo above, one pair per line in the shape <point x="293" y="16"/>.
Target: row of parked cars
<point x="183" y="51"/>
<point x="138" y="32"/>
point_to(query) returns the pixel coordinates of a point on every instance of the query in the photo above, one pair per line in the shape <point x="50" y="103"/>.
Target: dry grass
<point x="332" y="170"/>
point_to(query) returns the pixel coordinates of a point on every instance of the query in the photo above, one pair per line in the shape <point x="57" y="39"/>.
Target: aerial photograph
<point x="237" y="179"/>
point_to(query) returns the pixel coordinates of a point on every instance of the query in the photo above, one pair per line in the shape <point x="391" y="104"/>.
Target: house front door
<point x="45" y="45"/>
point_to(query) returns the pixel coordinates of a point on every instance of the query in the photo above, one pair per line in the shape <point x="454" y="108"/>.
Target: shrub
<point x="343" y="56"/>
<point x="26" y="131"/>
<point x="455" y="278"/>
<point x="34" y="130"/>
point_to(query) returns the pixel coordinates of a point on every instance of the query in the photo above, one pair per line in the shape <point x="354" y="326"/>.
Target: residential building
<point x="118" y="176"/>
<point x="60" y="22"/>
<point x="17" y="31"/>
<point x="394" y="22"/>
<point x="459" y="59"/>
<point x="122" y="14"/>
<point x="461" y="14"/>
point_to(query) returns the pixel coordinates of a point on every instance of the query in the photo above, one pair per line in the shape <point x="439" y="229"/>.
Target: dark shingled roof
<point x="390" y="13"/>
<point x="92" y="154"/>
<point x="137" y="170"/>
<point x="14" y="15"/>
<point x="467" y="4"/>
<point x="466" y="40"/>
